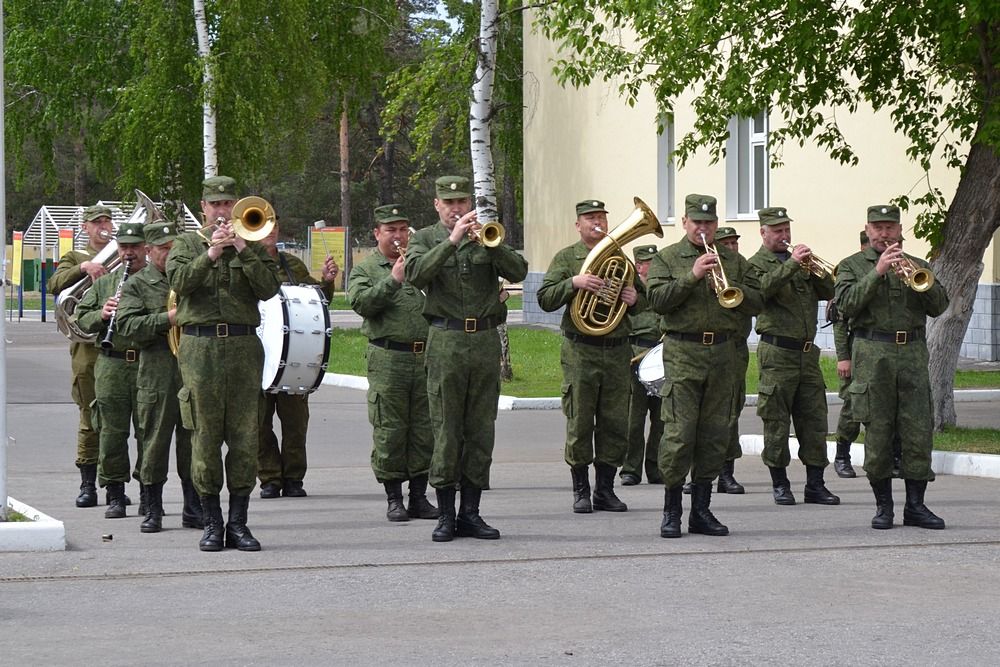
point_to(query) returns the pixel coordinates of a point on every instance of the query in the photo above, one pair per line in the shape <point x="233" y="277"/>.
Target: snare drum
<point x="649" y="371"/>
<point x="295" y="331"/>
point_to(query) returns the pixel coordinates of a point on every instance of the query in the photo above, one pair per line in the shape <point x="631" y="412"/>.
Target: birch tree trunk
<point x="208" y="89"/>
<point x="345" y="189"/>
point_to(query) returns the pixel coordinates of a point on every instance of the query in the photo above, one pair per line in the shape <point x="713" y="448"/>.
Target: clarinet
<point x="106" y="343"/>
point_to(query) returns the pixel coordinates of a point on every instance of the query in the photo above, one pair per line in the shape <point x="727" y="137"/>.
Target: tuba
<point x="597" y="314"/>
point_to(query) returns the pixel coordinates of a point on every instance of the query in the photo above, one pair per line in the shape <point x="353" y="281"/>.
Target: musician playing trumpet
<point x="116" y="373"/>
<point x="890" y="387"/>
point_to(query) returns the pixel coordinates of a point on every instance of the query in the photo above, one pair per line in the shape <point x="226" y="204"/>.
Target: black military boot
<point x="292" y="488"/>
<point x="672" y="512"/>
<point x="782" y="488"/>
<point x="842" y="462"/>
<point x="88" y="486"/>
<point x="394" y="498"/>
<point x="581" y="490"/>
<point x="215" y="530"/>
<point x="816" y="491"/>
<point x="270" y="490"/>
<point x="142" y="499"/>
<point x="469" y="523"/>
<point x="701" y="520"/>
<point x="238" y="536"/>
<point x="191" y="515"/>
<point x="153" y="522"/>
<point x="882" y="489"/>
<point x="419" y="507"/>
<point x="728" y="483"/>
<point x="445" y="530"/>
<point x="915" y="513"/>
<point x="107" y="497"/>
<point x="604" y="489"/>
<point x="116" y="500"/>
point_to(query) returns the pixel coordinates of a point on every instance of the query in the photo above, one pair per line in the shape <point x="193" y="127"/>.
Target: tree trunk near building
<point x="345" y="188"/>
<point x="515" y="235"/>
<point x="973" y="217"/>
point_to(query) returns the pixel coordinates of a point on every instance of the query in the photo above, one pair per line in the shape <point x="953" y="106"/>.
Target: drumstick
<point x="642" y="355"/>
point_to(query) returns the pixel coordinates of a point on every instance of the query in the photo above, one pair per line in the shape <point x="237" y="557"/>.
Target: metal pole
<point x="3" y="276"/>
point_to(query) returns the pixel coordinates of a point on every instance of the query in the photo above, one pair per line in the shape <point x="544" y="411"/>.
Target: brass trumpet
<point x="729" y="296"/>
<point x="253" y="219"/>
<point x="913" y="275"/>
<point x="815" y="264"/>
<point x="489" y="235"/>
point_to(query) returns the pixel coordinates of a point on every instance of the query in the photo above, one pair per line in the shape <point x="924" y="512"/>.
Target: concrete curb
<point x="42" y="534"/>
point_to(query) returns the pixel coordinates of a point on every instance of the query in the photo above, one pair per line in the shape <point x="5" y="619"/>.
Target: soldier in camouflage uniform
<point x="701" y="364"/>
<point x="281" y="471"/>
<point x="461" y="280"/>
<point x="595" y="369"/>
<point x="890" y="387"/>
<point x="643" y="450"/>
<point x="397" y="386"/>
<point x="73" y="267"/>
<point x="115" y="373"/>
<point x="791" y="387"/>
<point x="144" y="318"/>
<point x="221" y="359"/>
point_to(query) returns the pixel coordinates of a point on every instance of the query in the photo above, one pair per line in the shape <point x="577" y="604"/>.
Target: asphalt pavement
<point x="336" y="583"/>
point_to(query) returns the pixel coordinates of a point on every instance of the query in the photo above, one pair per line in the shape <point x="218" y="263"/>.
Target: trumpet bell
<point x="921" y="280"/>
<point x="492" y="234"/>
<point x="731" y="297"/>
<point x="253" y="218"/>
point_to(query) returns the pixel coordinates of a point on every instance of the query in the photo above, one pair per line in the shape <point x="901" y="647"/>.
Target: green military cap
<point x="219" y="188"/>
<point x="92" y="213"/>
<point x="864" y="238"/>
<point x="773" y="215"/>
<point x="644" y="253"/>
<point x="390" y="213"/>
<point x="452" y="187"/>
<point x="883" y="213"/>
<point x="589" y="206"/>
<point x="725" y="233"/>
<point x="700" y="207"/>
<point x="159" y="233"/>
<point x="130" y="232"/>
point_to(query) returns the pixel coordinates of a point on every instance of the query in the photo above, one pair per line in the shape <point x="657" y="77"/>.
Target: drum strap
<point x="288" y="270"/>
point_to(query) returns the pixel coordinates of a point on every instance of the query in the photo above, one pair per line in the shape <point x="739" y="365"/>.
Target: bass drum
<point x="649" y="370"/>
<point x="295" y="331"/>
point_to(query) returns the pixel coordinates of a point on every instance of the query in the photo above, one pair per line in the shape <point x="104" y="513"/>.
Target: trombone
<point x="815" y="264"/>
<point x="729" y="296"/>
<point x="253" y="219"/>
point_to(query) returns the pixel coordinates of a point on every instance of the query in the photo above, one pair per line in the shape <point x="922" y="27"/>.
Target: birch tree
<point x="211" y="158"/>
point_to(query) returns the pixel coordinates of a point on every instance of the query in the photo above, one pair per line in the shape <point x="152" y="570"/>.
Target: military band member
<point x="701" y="362"/>
<point x="73" y="267"/>
<point x="397" y="386"/>
<point x="281" y="470"/>
<point x="791" y="387"/>
<point x="595" y="369"/>
<point x="221" y="359"/>
<point x="143" y="317"/>
<point x="643" y="450"/>
<point x="461" y="281"/>
<point x="115" y="374"/>
<point x="890" y="387"/>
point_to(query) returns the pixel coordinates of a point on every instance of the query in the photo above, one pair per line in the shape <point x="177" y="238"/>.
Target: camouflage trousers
<point x="83" y="356"/>
<point x="114" y="411"/>
<point x="643" y="450"/>
<point x="160" y="417"/>
<point x="735" y="449"/>
<point x="848" y="430"/>
<point x="399" y="415"/>
<point x="791" y="390"/>
<point x="274" y="463"/>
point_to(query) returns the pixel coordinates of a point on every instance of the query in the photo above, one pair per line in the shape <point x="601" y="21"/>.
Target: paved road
<point x="337" y="584"/>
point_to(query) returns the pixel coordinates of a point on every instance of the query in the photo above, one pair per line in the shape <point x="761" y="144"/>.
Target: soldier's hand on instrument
<point x="93" y="269"/>
<point x="892" y="254"/>
<point x="172" y="317"/>
<point x="588" y="282"/>
<point x="461" y="228"/>
<point x="330" y="269"/>
<point x="109" y="308"/>
<point x="703" y="265"/>
<point x="629" y="296"/>
<point x="800" y="253"/>
<point x="844" y="369"/>
<point x="398" y="268"/>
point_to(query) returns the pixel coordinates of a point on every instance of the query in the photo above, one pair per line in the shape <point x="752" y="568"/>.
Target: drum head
<point x="295" y="333"/>
<point x="650" y="370"/>
<point x="273" y="323"/>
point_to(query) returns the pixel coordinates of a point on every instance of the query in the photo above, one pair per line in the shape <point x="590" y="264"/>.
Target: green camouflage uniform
<point x="890" y="387"/>
<point x="397" y="385"/>
<point x="83" y="356"/>
<point x="142" y="316"/>
<point x="735" y="449"/>
<point x="643" y="450"/>
<point x="595" y="386"/>
<point x="115" y="381"/>
<point x="275" y="465"/>
<point x="791" y="385"/>
<point x="702" y="369"/>
<point x="463" y="364"/>
<point x="847" y="429"/>
<point x="221" y="397"/>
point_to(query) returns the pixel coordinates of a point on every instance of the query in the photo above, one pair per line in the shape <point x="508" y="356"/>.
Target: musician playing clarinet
<point x="115" y="373"/>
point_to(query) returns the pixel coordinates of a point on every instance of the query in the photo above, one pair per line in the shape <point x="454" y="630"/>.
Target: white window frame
<point x="666" y="173"/>
<point x="745" y="192"/>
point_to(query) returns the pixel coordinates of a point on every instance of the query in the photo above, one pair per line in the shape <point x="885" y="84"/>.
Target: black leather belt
<point x="897" y="337"/>
<point x="705" y="337"/>
<point x="221" y="330"/>
<point x="787" y="343"/>
<point x="596" y="341"/>
<point x="468" y="325"/>
<point x="127" y="355"/>
<point x="643" y="342"/>
<point x="416" y="347"/>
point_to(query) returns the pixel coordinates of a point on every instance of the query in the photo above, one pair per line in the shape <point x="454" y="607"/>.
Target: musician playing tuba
<point x="700" y="360"/>
<point x="595" y="352"/>
<point x="115" y="373"/>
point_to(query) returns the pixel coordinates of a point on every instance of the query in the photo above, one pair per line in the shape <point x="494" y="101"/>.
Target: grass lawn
<point x="975" y="440"/>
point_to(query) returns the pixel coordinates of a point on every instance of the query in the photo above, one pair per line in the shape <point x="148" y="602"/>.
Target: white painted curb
<point x="42" y="534"/>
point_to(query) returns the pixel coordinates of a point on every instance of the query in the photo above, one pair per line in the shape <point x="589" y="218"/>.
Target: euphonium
<point x="597" y="314"/>
<point x="729" y="296"/>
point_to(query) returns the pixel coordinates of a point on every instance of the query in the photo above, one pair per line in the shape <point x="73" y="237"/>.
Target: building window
<point x="665" y="172"/>
<point x="747" y="167"/>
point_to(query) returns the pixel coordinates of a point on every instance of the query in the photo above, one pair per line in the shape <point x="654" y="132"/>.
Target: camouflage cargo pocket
<point x="567" y="401"/>
<point x="860" y="408"/>
<point x="187" y="410"/>
<point x="95" y="416"/>
<point x="769" y="404"/>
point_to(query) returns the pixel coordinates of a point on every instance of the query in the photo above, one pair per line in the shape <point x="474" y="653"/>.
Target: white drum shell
<point x="649" y="371"/>
<point x="295" y="332"/>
